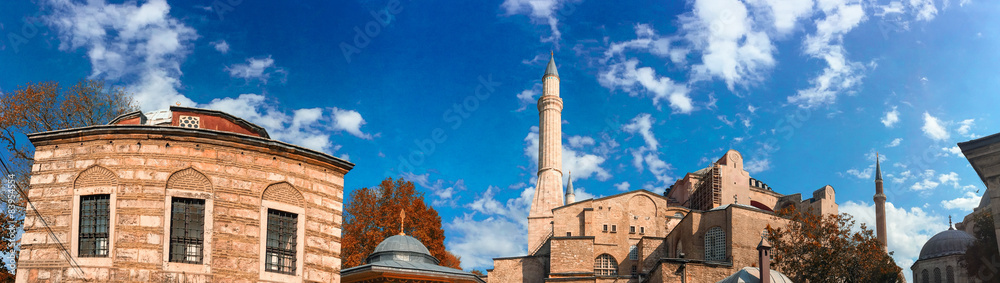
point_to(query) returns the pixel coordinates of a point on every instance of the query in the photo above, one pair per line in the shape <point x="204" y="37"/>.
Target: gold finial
<point x="402" y="216"/>
<point x="551" y="54"/>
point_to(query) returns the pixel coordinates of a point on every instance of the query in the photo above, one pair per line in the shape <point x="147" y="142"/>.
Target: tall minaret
<point x="570" y="195"/>
<point x="548" y="187"/>
<point x="880" y="206"/>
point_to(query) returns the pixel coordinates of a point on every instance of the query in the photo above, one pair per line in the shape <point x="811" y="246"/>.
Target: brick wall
<point x="140" y="170"/>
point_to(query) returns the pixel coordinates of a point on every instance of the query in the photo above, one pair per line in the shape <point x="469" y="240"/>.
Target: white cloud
<point x="583" y="165"/>
<point x="861" y="174"/>
<point x="648" y="154"/>
<point x="929" y="181"/>
<point x="143" y="47"/>
<point x="349" y="121"/>
<point x="895" y="142"/>
<point x="139" y="44"/>
<point x="527" y="97"/>
<point x="647" y="40"/>
<point x="924" y="9"/>
<point x="934" y="129"/>
<point x="255" y="69"/>
<point x="841" y="74"/>
<point x="907" y="230"/>
<point x="891" y="118"/>
<point x="444" y="192"/>
<point x="953" y="150"/>
<point x="580" y="141"/>
<point x="949" y="179"/>
<point x="626" y="76"/>
<point x="478" y="241"/>
<point x="786" y="13"/>
<point x="221" y="46"/>
<point x="723" y="31"/>
<point x="305" y="127"/>
<point x="643" y="125"/>
<point x="540" y="12"/>
<point x="966" y="203"/>
<point x="623" y="186"/>
<point x="756" y="165"/>
<point x="965" y="126"/>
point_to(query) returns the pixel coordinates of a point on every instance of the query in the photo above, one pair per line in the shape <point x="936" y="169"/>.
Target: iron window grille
<point x="605" y="265"/>
<point x="187" y="230"/>
<point x="95" y="213"/>
<point x="281" y="246"/>
<point x="633" y="253"/>
<point x="631" y="229"/>
<point x="715" y="244"/>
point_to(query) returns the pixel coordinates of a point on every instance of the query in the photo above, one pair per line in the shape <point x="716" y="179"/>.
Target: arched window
<point x="925" y="276"/>
<point x="937" y="275"/>
<point x="715" y="244"/>
<point x="951" y="274"/>
<point x="633" y="253"/>
<point x="605" y="265"/>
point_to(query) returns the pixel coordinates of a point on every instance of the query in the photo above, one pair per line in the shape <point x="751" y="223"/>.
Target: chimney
<point x="764" y="259"/>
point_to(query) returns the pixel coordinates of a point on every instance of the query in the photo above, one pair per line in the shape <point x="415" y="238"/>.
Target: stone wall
<point x="528" y="269"/>
<point x="143" y="169"/>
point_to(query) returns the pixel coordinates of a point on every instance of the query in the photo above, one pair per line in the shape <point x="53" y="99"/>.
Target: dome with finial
<point x="401" y="248"/>
<point x="948" y="242"/>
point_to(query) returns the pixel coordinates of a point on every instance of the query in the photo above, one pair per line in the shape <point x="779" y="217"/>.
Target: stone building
<point x="709" y="222"/>
<point x="181" y="195"/>
<point x="941" y="256"/>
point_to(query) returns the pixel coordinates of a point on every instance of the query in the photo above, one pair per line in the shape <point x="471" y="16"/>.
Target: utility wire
<point x="52" y="234"/>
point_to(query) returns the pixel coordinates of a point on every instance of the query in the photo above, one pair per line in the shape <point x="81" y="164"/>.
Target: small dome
<point x="949" y="242"/>
<point x="401" y="248"/>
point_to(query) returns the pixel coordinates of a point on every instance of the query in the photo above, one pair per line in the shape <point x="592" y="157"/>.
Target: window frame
<point x="711" y="247"/>
<point x="205" y="267"/>
<point x="614" y="228"/>
<point x="107" y="226"/>
<point x="611" y="266"/>
<point x="74" y="245"/>
<point x="300" y="228"/>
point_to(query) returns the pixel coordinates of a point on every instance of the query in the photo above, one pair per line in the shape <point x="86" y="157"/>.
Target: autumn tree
<point x="818" y="249"/>
<point x="373" y="214"/>
<point x="981" y="259"/>
<point x="40" y="107"/>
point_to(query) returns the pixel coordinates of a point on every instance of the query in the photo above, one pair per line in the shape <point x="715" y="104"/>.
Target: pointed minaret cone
<point x="570" y="195"/>
<point x="549" y="184"/>
<point x="764" y="259"/>
<point x="880" y="206"/>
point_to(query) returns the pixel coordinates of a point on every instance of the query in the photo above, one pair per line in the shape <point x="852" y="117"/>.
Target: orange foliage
<point x="38" y="108"/>
<point x="372" y="215"/>
<point x="819" y="249"/>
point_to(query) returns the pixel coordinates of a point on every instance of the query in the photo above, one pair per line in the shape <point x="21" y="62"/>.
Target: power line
<point x="52" y="234"/>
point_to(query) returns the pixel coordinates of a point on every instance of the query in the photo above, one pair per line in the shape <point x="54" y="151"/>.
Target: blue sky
<point x="443" y="93"/>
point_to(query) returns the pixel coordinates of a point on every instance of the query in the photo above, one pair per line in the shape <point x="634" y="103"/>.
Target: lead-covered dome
<point x="949" y="242"/>
<point x="401" y="248"/>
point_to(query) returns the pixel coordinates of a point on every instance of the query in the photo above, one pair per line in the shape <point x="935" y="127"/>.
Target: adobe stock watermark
<point x="29" y="29"/>
<point x="222" y="7"/>
<point x="454" y="116"/>
<point x="372" y="29"/>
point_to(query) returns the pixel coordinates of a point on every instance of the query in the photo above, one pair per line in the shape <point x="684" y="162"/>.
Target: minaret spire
<point x="548" y="187"/>
<point x="880" y="206"/>
<point x="570" y="195"/>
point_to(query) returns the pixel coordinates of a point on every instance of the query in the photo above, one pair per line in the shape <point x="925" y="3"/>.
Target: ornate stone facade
<point x="710" y="221"/>
<point x="229" y="165"/>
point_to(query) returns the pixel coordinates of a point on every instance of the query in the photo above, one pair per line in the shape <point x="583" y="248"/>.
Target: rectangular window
<point x="94" y="219"/>
<point x="642" y="230"/>
<point x="631" y="229"/>
<point x="605" y="227"/>
<point x="614" y="228"/>
<point x="187" y="230"/>
<point x="634" y="270"/>
<point x="281" y="246"/>
<point x="569" y="234"/>
<point x="633" y="253"/>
